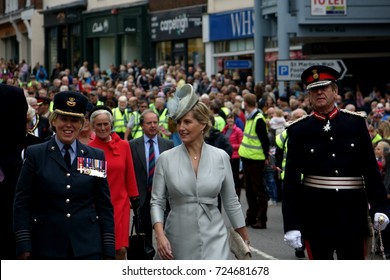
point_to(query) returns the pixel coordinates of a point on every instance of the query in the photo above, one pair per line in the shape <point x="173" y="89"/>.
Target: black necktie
<point x="151" y="164"/>
<point x="67" y="155"/>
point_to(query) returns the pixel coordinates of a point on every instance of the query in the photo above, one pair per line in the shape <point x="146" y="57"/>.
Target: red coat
<point x="235" y="139"/>
<point x="122" y="183"/>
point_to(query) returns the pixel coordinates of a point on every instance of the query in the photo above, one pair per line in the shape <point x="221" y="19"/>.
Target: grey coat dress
<point x="194" y="226"/>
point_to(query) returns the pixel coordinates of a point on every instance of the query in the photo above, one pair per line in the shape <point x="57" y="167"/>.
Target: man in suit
<point x="13" y="106"/>
<point x="149" y="121"/>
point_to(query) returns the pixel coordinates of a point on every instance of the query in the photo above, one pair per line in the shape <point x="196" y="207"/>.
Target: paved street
<point x="267" y="244"/>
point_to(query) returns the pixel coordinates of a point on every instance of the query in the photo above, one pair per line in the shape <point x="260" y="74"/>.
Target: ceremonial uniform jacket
<point x="57" y="209"/>
<point x="334" y="147"/>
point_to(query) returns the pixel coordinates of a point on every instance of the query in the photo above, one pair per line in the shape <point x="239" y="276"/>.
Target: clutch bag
<point x="238" y="246"/>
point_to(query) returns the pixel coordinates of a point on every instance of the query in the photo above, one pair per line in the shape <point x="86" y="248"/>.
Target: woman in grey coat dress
<point x="191" y="176"/>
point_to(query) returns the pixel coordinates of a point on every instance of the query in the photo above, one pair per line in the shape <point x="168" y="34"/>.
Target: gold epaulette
<point x="359" y="113"/>
<point x="297" y="120"/>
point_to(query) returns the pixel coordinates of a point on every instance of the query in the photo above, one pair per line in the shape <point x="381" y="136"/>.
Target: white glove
<point x="380" y="221"/>
<point x="293" y="239"/>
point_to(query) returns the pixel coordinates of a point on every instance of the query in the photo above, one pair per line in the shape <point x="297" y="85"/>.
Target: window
<point x="10" y="6"/>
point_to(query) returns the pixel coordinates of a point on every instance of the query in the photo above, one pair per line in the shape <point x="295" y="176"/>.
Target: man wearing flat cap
<point x="332" y="182"/>
<point x="62" y="204"/>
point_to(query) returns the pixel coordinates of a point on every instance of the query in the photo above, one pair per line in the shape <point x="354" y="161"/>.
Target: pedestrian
<point x="39" y="125"/>
<point x="62" y="204"/>
<point x="254" y="151"/>
<point x="194" y="228"/>
<point x="140" y="149"/>
<point x="121" y="116"/>
<point x="120" y="174"/>
<point x="13" y="110"/>
<point x="332" y="182"/>
<point x="234" y="134"/>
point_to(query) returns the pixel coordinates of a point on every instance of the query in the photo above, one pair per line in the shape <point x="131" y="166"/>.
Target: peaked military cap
<point x="43" y="100"/>
<point x="70" y="103"/>
<point x="319" y="76"/>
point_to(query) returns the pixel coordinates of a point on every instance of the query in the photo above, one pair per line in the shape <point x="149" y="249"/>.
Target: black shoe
<point x="249" y="222"/>
<point x="259" y="225"/>
<point x="300" y="253"/>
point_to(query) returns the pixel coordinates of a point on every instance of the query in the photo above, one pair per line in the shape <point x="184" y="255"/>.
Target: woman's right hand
<point x="24" y="256"/>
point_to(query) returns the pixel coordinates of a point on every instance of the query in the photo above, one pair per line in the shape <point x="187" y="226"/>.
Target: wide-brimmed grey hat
<point x="184" y="100"/>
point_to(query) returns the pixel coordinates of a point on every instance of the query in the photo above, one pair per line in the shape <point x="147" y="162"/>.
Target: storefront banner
<point x="98" y="26"/>
<point x="232" y="25"/>
<point x="174" y="25"/>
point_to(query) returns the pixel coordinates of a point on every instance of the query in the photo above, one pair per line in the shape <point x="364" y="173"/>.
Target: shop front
<point x="231" y="34"/>
<point x="177" y="37"/>
<point x="63" y="36"/>
<point x="117" y="36"/>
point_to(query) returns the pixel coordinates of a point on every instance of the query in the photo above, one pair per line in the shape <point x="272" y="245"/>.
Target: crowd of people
<point x="128" y="105"/>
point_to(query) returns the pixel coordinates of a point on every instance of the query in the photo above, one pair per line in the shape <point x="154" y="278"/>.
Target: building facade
<point x="176" y="32"/>
<point x="354" y="31"/>
<point x="21" y="33"/>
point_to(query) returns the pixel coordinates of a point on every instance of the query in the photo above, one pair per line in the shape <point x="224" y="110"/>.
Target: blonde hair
<point x="202" y="114"/>
<point x="278" y="112"/>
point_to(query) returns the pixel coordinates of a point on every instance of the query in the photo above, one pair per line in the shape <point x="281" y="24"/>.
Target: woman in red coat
<point x="234" y="134"/>
<point x="120" y="174"/>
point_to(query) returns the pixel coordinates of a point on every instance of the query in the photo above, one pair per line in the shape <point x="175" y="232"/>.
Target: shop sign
<point x="174" y="25"/>
<point x="100" y="26"/>
<point x="130" y="25"/>
<point x="232" y="25"/>
<point x="328" y="7"/>
<point x="237" y="64"/>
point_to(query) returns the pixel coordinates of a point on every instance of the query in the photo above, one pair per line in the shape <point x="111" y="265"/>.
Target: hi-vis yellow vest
<point x="119" y="120"/>
<point x="281" y="143"/>
<point x="250" y="147"/>
<point x="136" y="131"/>
<point x="163" y="120"/>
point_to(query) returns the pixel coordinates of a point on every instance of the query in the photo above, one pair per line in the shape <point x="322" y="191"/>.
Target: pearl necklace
<point x="195" y="157"/>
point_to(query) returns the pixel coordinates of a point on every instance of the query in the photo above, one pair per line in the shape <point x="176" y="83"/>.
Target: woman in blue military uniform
<point x="333" y="152"/>
<point x="62" y="204"/>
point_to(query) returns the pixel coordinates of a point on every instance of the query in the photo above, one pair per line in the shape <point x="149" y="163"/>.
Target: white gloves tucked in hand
<point x="293" y="239"/>
<point x="380" y="221"/>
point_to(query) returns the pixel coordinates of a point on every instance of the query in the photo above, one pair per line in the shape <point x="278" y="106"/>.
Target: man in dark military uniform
<point x="332" y="178"/>
<point x="62" y="206"/>
<point x="13" y="110"/>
